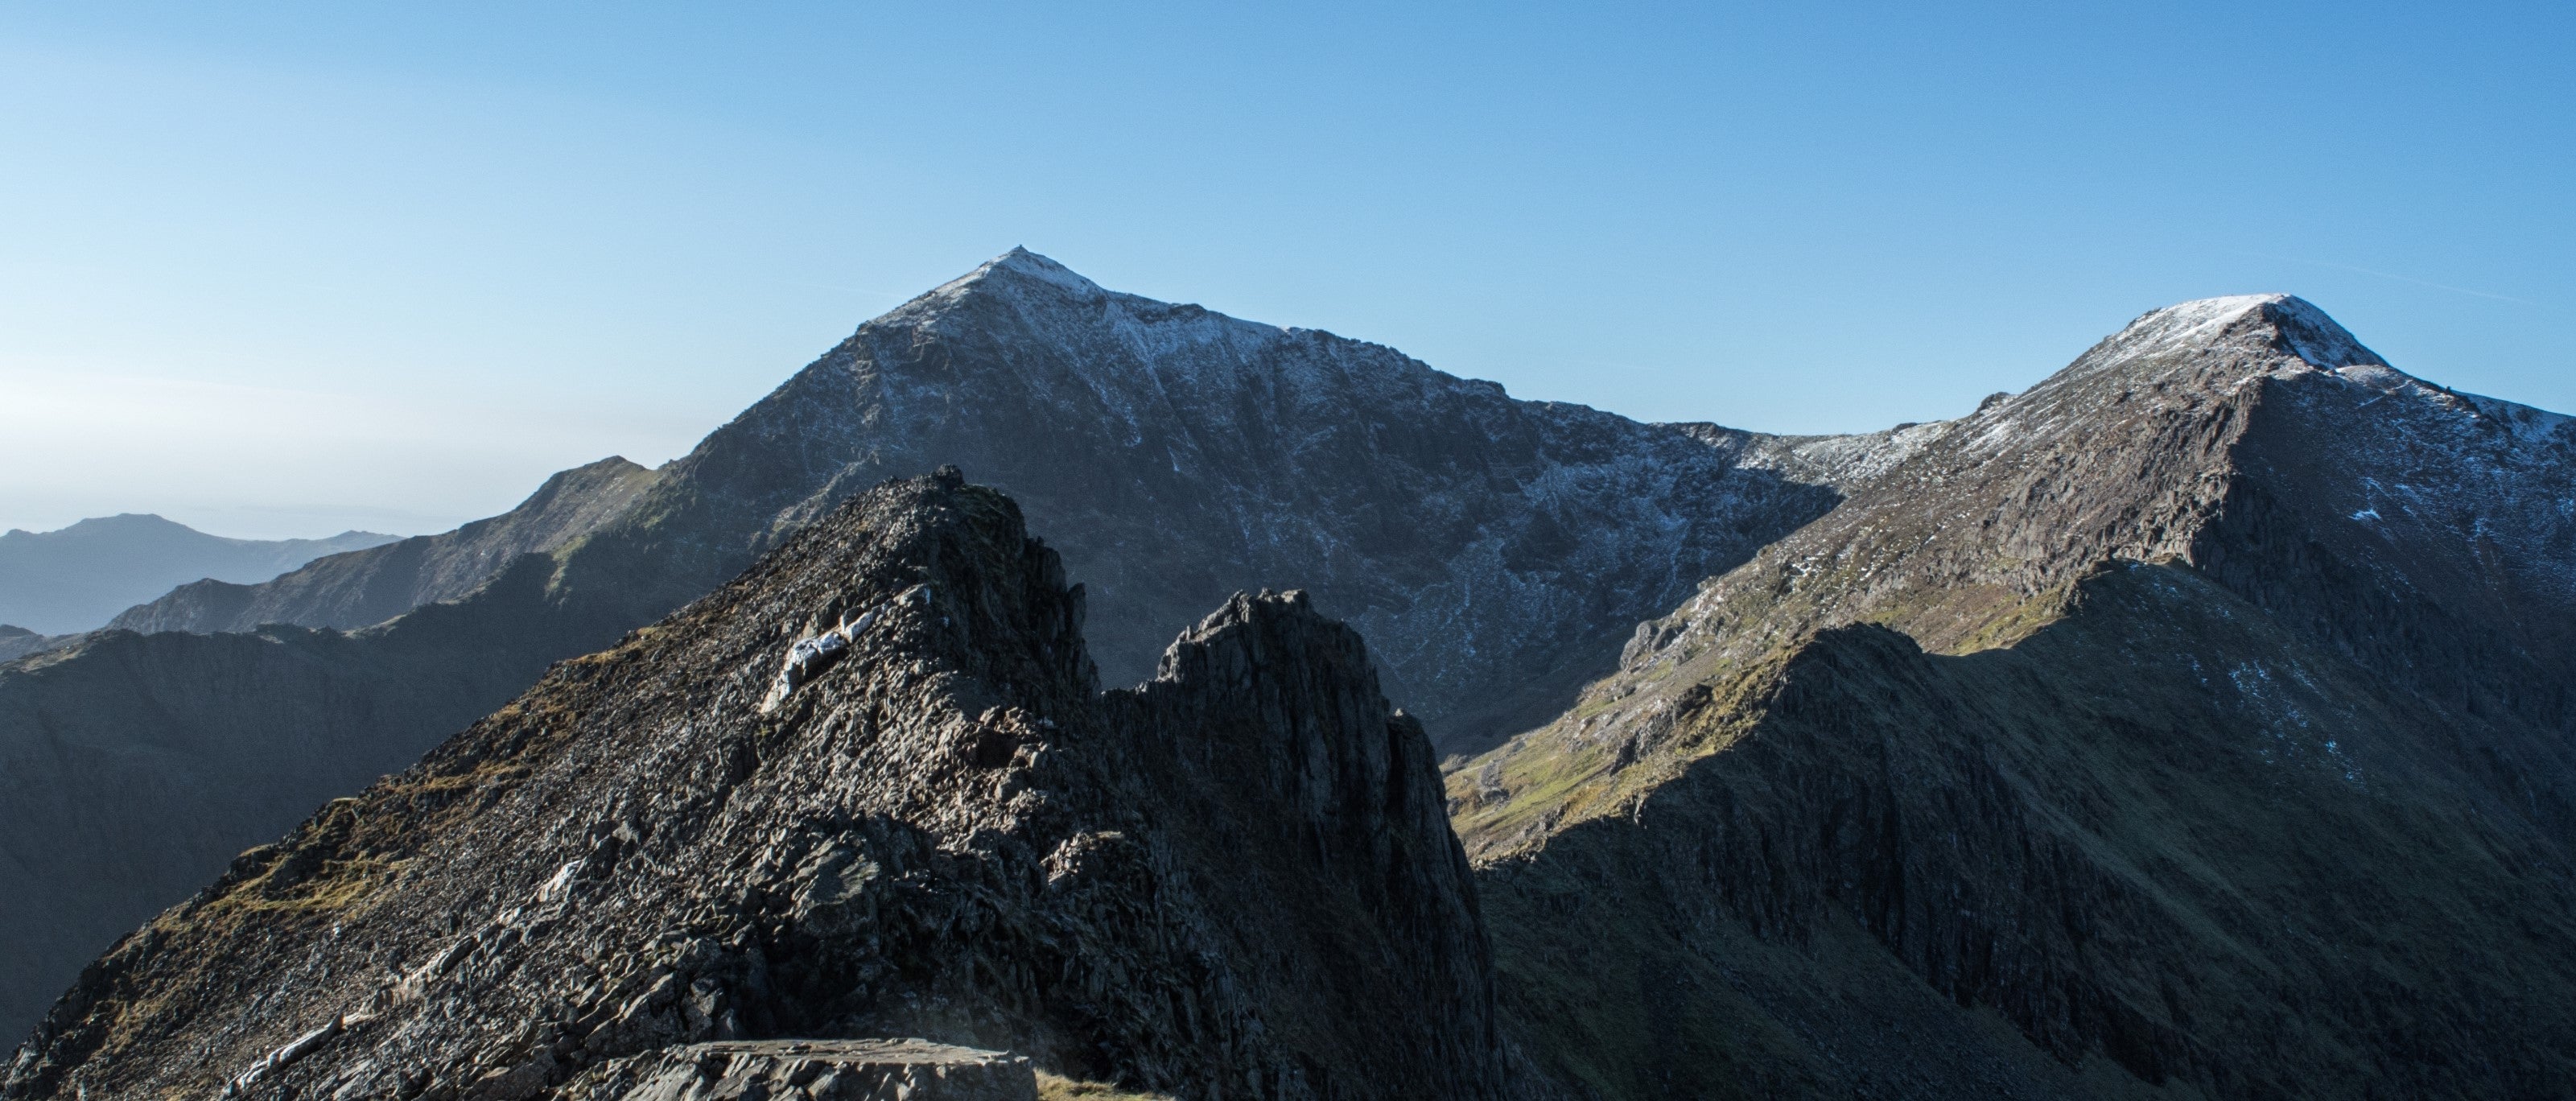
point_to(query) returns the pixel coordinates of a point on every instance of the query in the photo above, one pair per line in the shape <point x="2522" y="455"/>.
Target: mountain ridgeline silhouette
<point x="75" y="579"/>
<point x="2193" y="723"/>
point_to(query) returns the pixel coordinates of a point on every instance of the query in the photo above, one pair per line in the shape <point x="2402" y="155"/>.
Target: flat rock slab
<point x="837" y="1070"/>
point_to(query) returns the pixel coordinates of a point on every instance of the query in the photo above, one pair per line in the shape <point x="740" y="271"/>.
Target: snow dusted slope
<point x="2202" y="713"/>
<point x="1494" y="552"/>
<point x="1844" y="463"/>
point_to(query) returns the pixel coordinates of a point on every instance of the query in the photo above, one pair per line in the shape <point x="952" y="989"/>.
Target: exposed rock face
<point x="2239" y="760"/>
<point x="1493" y="551"/>
<point x="361" y="589"/>
<point x="1235" y="880"/>
<point x="68" y="581"/>
<point x="1496" y="552"/>
<point x="824" y="1070"/>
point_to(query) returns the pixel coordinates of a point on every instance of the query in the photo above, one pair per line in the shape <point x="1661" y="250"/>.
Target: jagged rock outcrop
<point x="1496" y="552"/>
<point x="825" y="1070"/>
<point x="1235" y="880"/>
<point x="370" y="586"/>
<point x="2196" y="719"/>
<point x="72" y="580"/>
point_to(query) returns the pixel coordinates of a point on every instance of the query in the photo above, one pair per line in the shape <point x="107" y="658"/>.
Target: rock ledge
<point x="833" y="1070"/>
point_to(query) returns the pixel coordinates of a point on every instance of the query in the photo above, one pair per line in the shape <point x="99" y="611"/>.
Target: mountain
<point x="133" y="766"/>
<point x="2196" y="722"/>
<point x="17" y="642"/>
<point x="348" y="591"/>
<point x="75" y="579"/>
<point x="1495" y="552"/>
<point x="1235" y="879"/>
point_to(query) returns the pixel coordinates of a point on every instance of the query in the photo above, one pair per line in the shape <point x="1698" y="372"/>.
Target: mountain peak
<point x="1022" y="268"/>
<point x="2283" y="323"/>
<point x="129" y="522"/>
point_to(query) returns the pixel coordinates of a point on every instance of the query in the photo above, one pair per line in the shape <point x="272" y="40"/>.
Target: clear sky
<point x="280" y="269"/>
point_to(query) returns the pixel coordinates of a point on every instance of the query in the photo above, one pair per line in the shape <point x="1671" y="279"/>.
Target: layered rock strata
<point x="823" y="1070"/>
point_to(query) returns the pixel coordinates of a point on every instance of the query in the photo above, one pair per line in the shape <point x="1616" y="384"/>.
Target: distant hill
<point x="357" y="590"/>
<point x="18" y="642"/>
<point x="78" y="578"/>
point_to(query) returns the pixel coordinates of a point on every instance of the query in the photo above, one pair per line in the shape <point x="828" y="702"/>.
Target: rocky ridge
<point x="849" y="1070"/>
<point x="1233" y="880"/>
<point x="370" y="586"/>
<point x="2169" y="715"/>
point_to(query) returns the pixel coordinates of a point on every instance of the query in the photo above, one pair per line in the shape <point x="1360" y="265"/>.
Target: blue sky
<point x="281" y="269"/>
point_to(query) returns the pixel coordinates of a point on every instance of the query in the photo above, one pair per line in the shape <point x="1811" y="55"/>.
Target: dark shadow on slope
<point x="2158" y="843"/>
<point x="1235" y="880"/>
<point x="134" y="767"/>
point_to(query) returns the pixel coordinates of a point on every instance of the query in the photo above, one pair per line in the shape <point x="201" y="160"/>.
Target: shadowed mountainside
<point x="133" y="766"/>
<point x="1235" y="879"/>
<point x="2239" y="763"/>
<point x="349" y="591"/>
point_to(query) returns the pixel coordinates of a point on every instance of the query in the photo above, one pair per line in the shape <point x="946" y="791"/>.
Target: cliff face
<point x="1234" y="880"/>
<point x="2195" y="719"/>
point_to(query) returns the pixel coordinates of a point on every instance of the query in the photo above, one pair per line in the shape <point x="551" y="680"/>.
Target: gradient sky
<point x="281" y="269"/>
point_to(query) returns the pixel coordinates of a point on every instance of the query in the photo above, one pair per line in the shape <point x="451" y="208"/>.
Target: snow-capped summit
<point x="1022" y="264"/>
<point x="2279" y="330"/>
